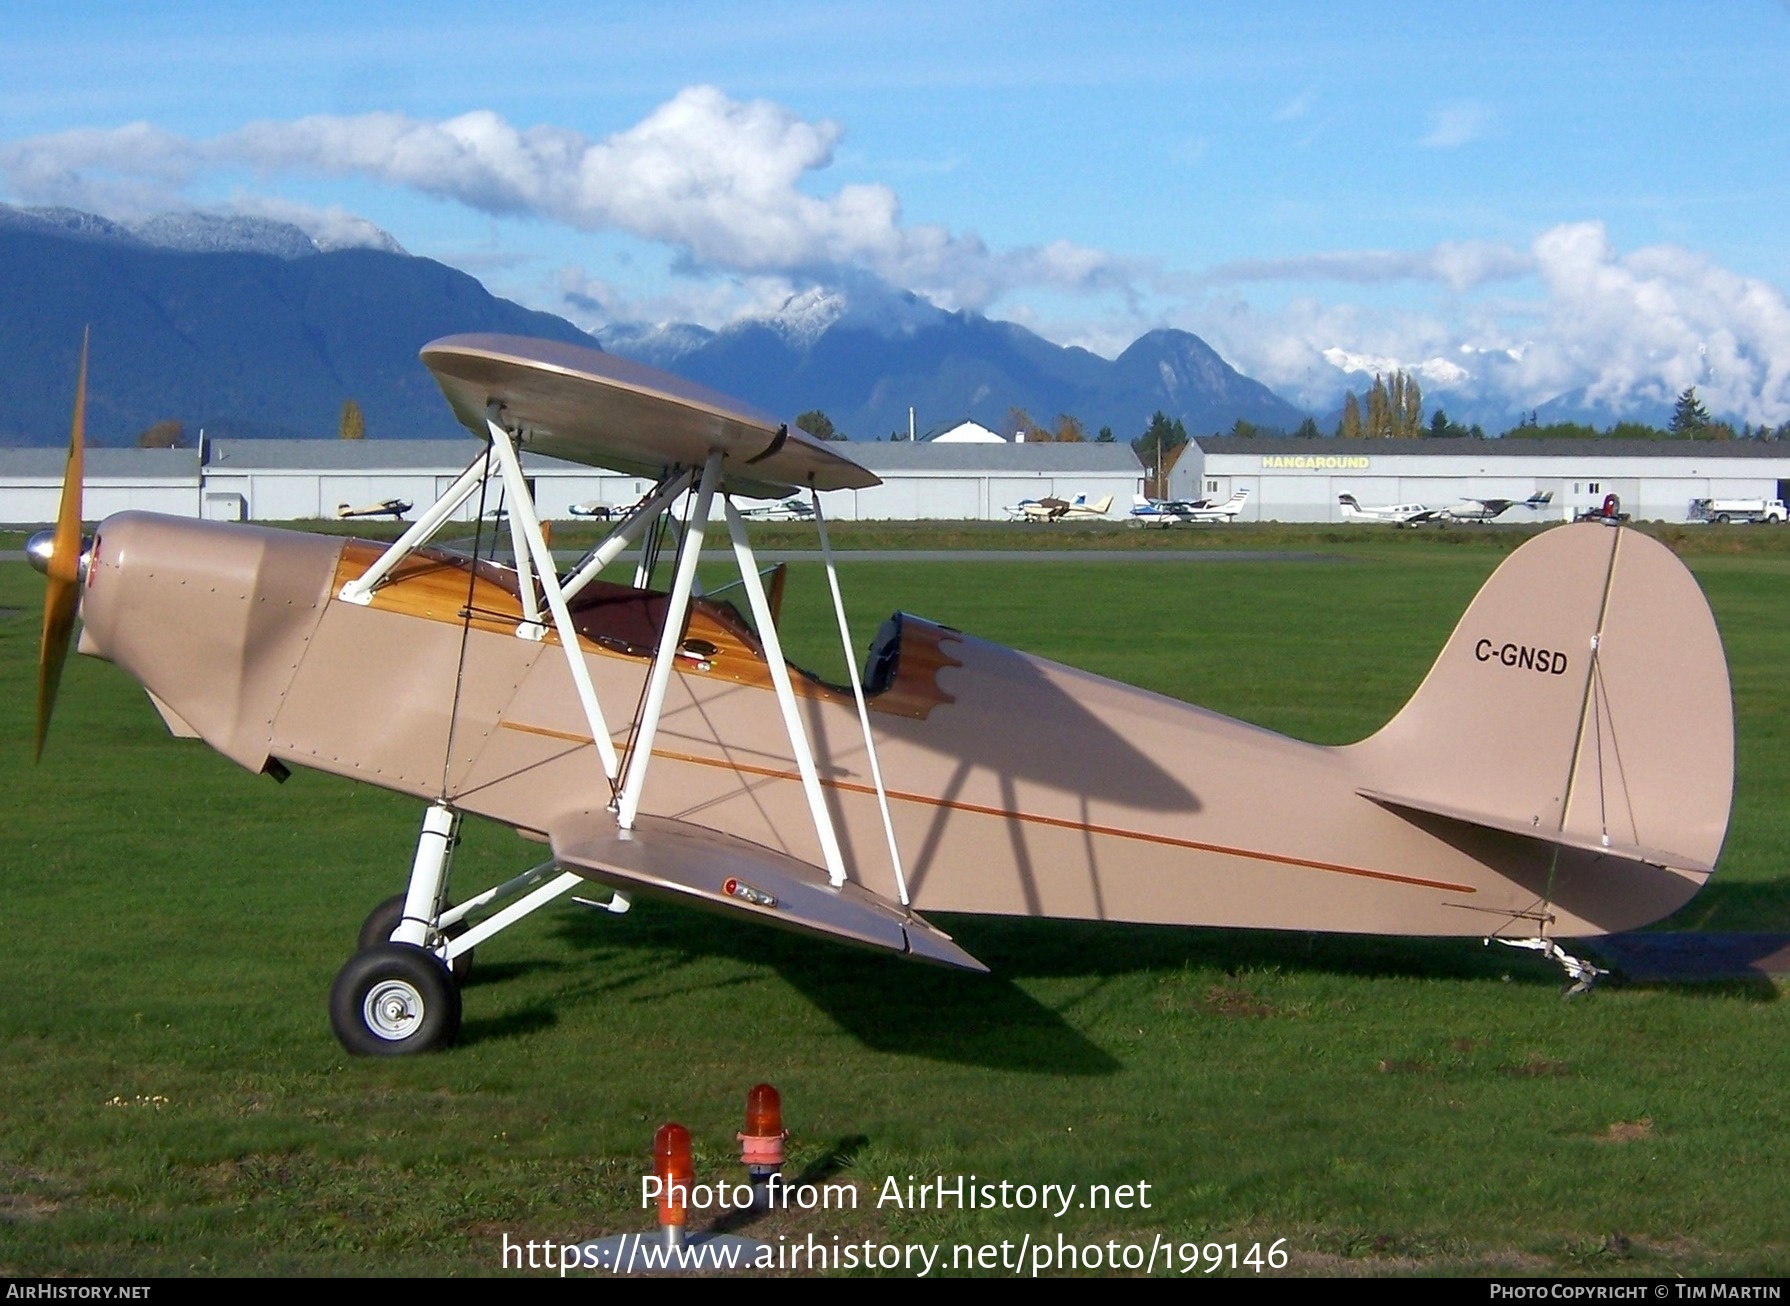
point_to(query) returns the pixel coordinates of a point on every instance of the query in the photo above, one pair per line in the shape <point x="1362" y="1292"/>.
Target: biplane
<point x="656" y="741"/>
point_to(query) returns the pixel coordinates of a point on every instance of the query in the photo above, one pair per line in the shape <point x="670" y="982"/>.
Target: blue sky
<point x="1515" y="201"/>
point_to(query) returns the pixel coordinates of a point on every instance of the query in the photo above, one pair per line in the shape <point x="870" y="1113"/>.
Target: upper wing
<point x="590" y="407"/>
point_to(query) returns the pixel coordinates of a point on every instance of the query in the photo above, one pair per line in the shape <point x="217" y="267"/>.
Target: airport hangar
<point x="1299" y="480"/>
<point x="289" y="480"/>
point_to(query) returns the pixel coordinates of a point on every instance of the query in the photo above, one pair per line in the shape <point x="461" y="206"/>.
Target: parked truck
<point x="1746" y="510"/>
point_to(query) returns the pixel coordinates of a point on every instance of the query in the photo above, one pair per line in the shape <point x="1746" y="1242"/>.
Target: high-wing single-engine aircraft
<point x="658" y="743"/>
<point x="1174" y="512"/>
<point x="393" y="508"/>
<point x="1485" y="510"/>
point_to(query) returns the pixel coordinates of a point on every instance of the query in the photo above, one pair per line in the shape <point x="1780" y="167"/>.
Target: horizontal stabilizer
<point x="692" y="864"/>
<point x="1562" y="838"/>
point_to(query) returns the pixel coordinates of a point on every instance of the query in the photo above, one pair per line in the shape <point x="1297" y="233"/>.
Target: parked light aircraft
<point x="1485" y="510"/>
<point x="659" y="744"/>
<point x="1055" y="509"/>
<point x="1398" y="514"/>
<point x="1417" y="514"/>
<point x="1173" y="512"/>
<point x="393" y="508"/>
<point x="787" y="510"/>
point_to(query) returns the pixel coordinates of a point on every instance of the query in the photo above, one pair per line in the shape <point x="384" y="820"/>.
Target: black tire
<point x="393" y="1000"/>
<point x="1721" y="519"/>
<point x="384" y="918"/>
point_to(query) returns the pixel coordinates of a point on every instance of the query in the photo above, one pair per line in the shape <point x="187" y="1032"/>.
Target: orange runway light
<point x="676" y="1171"/>
<point x="761" y="1144"/>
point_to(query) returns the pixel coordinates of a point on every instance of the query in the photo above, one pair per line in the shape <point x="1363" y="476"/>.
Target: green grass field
<point x="173" y="1102"/>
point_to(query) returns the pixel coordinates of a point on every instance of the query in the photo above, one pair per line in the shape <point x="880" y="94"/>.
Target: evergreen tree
<point x="1158" y="448"/>
<point x="1308" y="430"/>
<point x="1105" y="436"/>
<point x="1689" y="418"/>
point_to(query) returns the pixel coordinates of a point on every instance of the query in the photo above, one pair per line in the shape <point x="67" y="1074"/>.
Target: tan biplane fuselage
<point x="1017" y="786"/>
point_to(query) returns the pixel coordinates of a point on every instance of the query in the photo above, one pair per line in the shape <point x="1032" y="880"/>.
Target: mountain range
<point x="243" y="327"/>
<point x="247" y="326"/>
<point x="864" y="359"/>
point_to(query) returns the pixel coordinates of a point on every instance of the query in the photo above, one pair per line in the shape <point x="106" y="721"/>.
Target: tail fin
<point x="1583" y="699"/>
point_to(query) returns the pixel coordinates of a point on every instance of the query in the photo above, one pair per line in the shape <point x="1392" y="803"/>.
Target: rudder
<point x="1583" y="698"/>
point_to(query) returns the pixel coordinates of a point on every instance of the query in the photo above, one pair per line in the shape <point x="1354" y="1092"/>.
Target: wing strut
<point x="622" y="536"/>
<point x="522" y="509"/>
<point x="786" y="695"/>
<point x="670" y="636"/>
<point x="857" y="689"/>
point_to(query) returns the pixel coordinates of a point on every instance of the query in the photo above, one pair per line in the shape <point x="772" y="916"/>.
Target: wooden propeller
<point x="63" y="595"/>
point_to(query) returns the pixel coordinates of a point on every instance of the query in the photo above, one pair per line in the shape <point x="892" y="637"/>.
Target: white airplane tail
<point x="1583" y="700"/>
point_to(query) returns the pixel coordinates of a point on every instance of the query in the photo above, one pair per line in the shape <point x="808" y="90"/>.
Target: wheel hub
<point x="393" y="1009"/>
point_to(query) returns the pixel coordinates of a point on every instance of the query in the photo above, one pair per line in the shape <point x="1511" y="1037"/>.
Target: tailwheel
<point x="393" y="1000"/>
<point x="384" y="918"/>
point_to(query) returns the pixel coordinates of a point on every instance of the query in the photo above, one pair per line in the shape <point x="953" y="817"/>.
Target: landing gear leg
<point x="396" y="995"/>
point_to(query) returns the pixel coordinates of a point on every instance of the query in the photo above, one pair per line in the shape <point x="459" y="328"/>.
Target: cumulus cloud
<point x="736" y="190"/>
<point x="1649" y="323"/>
<point x="1621" y="329"/>
<point x="719" y="181"/>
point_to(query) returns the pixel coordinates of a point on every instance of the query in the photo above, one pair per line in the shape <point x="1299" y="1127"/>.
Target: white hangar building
<point x="291" y="480"/>
<point x="117" y="480"/>
<point x="1299" y="480"/>
<point x="296" y="480"/>
<point x="281" y="480"/>
<point x="978" y="482"/>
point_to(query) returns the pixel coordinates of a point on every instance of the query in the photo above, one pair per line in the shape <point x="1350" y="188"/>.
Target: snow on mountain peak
<point x="1436" y="370"/>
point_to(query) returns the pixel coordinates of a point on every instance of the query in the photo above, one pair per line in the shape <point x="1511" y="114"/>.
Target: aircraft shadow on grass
<point x="990" y="1021"/>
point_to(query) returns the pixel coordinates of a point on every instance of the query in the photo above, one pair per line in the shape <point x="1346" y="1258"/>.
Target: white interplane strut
<point x="625" y="534"/>
<point x="628" y="802"/>
<point x="522" y="508"/>
<point x="786" y="694"/>
<point x="421" y="531"/>
<point x="857" y="689"/>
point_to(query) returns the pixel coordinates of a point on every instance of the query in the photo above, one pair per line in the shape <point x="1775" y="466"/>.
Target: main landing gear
<point x="400" y="993"/>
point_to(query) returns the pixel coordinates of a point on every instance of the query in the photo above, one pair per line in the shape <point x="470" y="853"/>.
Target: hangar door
<point x="950" y="498"/>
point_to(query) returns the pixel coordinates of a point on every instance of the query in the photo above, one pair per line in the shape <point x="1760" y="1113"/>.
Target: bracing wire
<point x="472" y="581"/>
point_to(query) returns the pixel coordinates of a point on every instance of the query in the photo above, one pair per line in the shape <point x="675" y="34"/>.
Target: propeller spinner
<point x="61" y="555"/>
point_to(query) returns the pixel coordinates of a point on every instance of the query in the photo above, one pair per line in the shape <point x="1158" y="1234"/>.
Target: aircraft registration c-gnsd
<point x="659" y="743"/>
